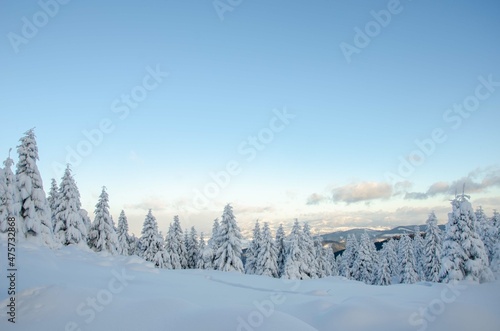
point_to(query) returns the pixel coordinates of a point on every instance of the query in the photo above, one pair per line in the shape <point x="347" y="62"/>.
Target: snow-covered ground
<point x="76" y="289"/>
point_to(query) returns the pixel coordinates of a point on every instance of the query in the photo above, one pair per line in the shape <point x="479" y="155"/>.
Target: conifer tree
<point x="206" y="257"/>
<point x="228" y="255"/>
<point x="295" y="265"/>
<point x="35" y="215"/>
<point x="432" y="250"/>
<point x="151" y="241"/>
<point x="364" y="266"/>
<point x="174" y="245"/>
<point x="123" y="236"/>
<point x="102" y="236"/>
<point x="192" y="248"/>
<point x="464" y="255"/>
<point x="408" y="271"/>
<point x="309" y="252"/>
<point x="320" y="256"/>
<point x="487" y="232"/>
<point x="69" y="225"/>
<point x="348" y="257"/>
<point x="280" y="247"/>
<point x="383" y="273"/>
<point x="418" y="246"/>
<point x="267" y="258"/>
<point x="53" y="200"/>
<point x="252" y="251"/>
<point x="9" y="195"/>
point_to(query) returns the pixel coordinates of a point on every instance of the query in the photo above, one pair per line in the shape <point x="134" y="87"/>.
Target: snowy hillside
<point x="76" y="289"/>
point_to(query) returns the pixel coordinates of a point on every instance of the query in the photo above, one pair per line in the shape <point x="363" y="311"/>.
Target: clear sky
<point x="311" y="109"/>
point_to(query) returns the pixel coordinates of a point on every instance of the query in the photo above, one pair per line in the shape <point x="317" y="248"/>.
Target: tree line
<point x="468" y="249"/>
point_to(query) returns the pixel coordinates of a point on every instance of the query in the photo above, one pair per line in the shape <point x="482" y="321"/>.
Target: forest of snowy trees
<point x="469" y="248"/>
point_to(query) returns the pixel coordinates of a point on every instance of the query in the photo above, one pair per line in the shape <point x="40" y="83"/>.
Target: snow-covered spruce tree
<point x="495" y="262"/>
<point x="228" y="255"/>
<point x="280" y="247"/>
<point x="408" y="270"/>
<point x="383" y="273"/>
<point x="53" y="200"/>
<point x="150" y="241"/>
<point x="486" y="231"/>
<point x="320" y="255"/>
<point x="9" y="195"/>
<point x="364" y="266"/>
<point x="183" y="257"/>
<point x="173" y="245"/>
<point x="252" y="251"/>
<point x="192" y="248"/>
<point x="205" y="260"/>
<point x="432" y="250"/>
<point x="330" y="256"/>
<point x="123" y="237"/>
<point x="348" y="257"/>
<point x="295" y="265"/>
<point x="102" y="235"/>
<point x="309" y="252"/>
<point x="213" y="242"/>
<point x="464" y="255"/>
<point x="389" y="253"/>
<point x="35" y="216"/>
<point x="267" y="259"/>
<point x="134" y="245"/>
<point x="418" y="246"/>
<point x="69" y="225"/>
<point x="161" y="259"/>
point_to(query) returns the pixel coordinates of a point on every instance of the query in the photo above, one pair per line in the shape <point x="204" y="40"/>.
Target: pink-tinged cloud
<point x="363" y="191"/>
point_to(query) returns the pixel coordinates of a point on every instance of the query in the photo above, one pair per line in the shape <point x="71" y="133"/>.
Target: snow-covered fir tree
<point x="383" y="273"/>
<point x="267" y="257"/>
<point x="330" y="256"/>
<point x="213" y="242"/>
<point x="35" y="215"/>
<point x="253" y="249"/>
<point x="161" y="259"/>
<point x="281" y="249"/>
<point x="192" y="248"/>
<point x="228" y="255"/>
<point x="464" y="255"/>
<point x="324" y="267"/>
<point x="348" y="257"/>
<point x="408" y="273"/>
<point x="418" y="246"/>
<point x="69" y="225"/>
<point x="389" y="251"/>
<point x="486" y="231"/>
<point x="295" y="265"/>
<point x="364" y="266"/>
<point x="495" y="262"/>
<point x="206" y="258"/>
<point x="102" y="235"/>
<point x="432" y="249"/>
<point x="309" y="252"/>
<point x="151" y="241"/>
<point x="174" y="245"/>
<point x="53" y="200"/>
<point x="123" y="236"/>
<point x="9" y="195"/>
<point x="134" y="245"/>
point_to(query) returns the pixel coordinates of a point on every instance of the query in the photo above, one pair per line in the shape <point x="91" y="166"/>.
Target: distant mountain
<point x="337" y="239"/>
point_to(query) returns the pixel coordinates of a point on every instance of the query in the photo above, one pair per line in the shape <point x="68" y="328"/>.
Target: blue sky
<point x="354" y="118"/>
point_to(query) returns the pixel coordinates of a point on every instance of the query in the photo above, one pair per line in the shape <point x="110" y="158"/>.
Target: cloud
<point x="363" y="191"/>
<point x="154" y="203"/>
<point x="315" y="199"/>
<point x="477" y="181"/>
<point x="415" y="196"/>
